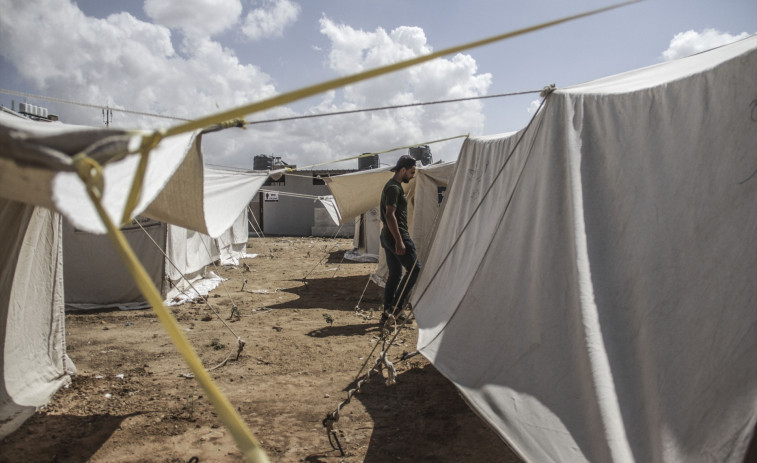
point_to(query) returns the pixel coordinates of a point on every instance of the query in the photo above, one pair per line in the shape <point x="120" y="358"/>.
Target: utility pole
<point x="107" y="116"/>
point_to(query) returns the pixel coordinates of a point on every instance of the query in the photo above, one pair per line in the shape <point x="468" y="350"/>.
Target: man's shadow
<point x="421" y="418"/>
<point x="333" y="293"/>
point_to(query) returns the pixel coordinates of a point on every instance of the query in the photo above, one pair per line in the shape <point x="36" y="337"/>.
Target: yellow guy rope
<point x="305" y="92"/>
<point x="148" y="143"/>
<point x="91" y="174"/>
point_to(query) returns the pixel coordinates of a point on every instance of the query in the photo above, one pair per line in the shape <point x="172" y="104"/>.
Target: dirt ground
<point x="132" y="401"/>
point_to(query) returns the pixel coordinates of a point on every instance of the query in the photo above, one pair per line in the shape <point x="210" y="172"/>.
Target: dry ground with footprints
<point x="134" y="401"/>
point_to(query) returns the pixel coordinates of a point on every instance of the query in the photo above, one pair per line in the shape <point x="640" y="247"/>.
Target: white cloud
<point x="354" y="50"/>
<point x="533" y="107"/>
<point x="123" y="62"/>
<point x="691" y="42"/>
<point x="271" y="19"/>
<point x="195" y="17"/>
<point x="128" y="63"/>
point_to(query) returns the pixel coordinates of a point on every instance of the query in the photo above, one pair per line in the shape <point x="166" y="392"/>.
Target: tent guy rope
<point x="90" y="173"/>
<point x="205" y="300"/>
<point x="537" y="113"/>
<point x="305" y="92"/>
<point x="365" y="155"/>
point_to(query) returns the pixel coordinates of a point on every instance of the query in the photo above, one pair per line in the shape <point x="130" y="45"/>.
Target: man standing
<point x="395" y="239"/>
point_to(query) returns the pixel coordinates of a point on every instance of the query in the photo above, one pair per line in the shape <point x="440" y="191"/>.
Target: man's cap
<point x="404" y="162"/>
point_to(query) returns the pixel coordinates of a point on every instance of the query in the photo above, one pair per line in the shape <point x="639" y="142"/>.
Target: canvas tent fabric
<point x="358" y="190"/>
<point x="329" y="203"/>
<point x="425" y="203"/>
<point x="36" y="169"/>
<point x="94" y="277"/>
<point x="33" y="360"/>
<point x="590" y="290"/>
<point x="366" y="241"/>
<point x="174" y="257"/>
<point x="204" y="199"/>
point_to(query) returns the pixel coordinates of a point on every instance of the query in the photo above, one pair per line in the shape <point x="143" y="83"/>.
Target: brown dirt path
<point x="130" y="402"/>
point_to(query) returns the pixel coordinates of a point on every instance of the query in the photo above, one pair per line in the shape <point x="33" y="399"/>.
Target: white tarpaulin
<point x="359" y="193"/>
<point x="33" y="360"/>
<point x="36" y="169"/>
<point x="329" y="203"/>
<point x="366" y="241"/>
<point x="33" y="154"/>
<point x="425" y="202"/>
<point x="172" y="255"/>
<point x="204" y="199"/>
<point x="591" y="287"/>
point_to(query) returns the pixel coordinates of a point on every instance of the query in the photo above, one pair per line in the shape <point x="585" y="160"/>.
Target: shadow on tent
<point x="421" y="418"/>
<point x="339" y="292"/>
<point x="60" y="438"/>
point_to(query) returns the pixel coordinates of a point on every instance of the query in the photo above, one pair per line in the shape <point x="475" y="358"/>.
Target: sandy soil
<point x="305" y="344"/>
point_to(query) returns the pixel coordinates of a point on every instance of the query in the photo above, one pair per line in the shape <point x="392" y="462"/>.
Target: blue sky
<point x="193" y="57"/>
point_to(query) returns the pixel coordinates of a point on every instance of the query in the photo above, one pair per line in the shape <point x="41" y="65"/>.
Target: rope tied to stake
<point x="391" y="371"/>
<point x="90" y="172"/>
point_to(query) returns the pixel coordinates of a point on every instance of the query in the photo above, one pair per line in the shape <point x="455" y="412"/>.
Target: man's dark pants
<point x="396" y="291"/>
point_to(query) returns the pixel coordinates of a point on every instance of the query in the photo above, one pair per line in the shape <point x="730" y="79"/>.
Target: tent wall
<point x="425" y="203"/>
<point x="36" y="169"/>
<point x="232" y="244"/>
<point x="366" y="242"/>
<point x="358" y="192"/>
<point x="95" y="275"/>
<point x="591" y="289"/>
<point x="34" y="364"/>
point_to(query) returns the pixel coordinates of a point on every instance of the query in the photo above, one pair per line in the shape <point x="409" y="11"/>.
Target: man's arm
<point x="394" y="229"/>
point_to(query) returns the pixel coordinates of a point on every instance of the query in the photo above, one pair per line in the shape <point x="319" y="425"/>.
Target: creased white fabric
<point x="33" y="153"/>
<point x="425" y="202"/>
<point x="33" y="359"/>
<point x="329" y="203"/>
<point x="358" y="192"/>
<point x="366" y="241"/>
<point x="599" y="305"/>
<point x="205" y="199"/>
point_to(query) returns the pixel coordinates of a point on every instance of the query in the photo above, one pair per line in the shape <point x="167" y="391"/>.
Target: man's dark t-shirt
<point x="394" y="195"/>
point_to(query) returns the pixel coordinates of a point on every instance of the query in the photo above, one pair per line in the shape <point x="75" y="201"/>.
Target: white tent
<point x="358" y="190"/>
<point x="174" y="256"/>
<point x="591" y="287"/>
<point x="33" y="360"/>
<point x="425" y="203"/>
<point x="38" y="181"/>
<point x="366" y="241"/>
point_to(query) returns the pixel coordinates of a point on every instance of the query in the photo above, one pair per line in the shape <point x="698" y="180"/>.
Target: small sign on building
<point x="271" y="196"/>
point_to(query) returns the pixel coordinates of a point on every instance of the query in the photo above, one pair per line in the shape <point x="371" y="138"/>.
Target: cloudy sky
<point x="190" y="58"/>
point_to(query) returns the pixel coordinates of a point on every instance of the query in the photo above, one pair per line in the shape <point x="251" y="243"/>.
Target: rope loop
<point x="240" y="347"/>
<point x="90" y="172"/>
<point x="391" y="371"/>
<point x="149" y="143"/>
<point x="546" y="91"/>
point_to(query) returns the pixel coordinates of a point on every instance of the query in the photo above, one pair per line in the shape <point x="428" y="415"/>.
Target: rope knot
<point x="547" y="90"/>
<point x="391" y="371"/>
<point x="90" y="172"/>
